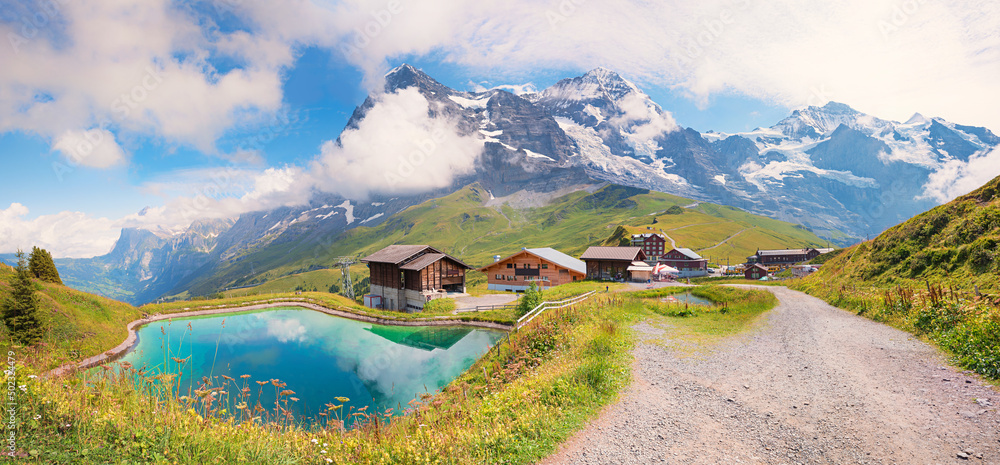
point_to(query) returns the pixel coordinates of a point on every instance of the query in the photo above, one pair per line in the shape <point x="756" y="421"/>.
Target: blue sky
<point x="230" y="99"/>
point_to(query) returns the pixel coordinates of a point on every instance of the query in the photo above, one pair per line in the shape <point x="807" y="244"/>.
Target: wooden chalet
<point x="545" y="266"/>
<point x="405" y="277"/>
<point x="688" y="263"/>
<point x="612" y="263"/>
<point x="755" y="271"/>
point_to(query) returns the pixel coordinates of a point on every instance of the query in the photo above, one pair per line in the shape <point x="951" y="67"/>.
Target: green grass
<point x="78" y="325"/>
<point x="695" y="328"/>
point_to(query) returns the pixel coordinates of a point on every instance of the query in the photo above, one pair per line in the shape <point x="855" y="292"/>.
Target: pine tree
<point x="42" y="266"/>
<point x="20" y="308"/>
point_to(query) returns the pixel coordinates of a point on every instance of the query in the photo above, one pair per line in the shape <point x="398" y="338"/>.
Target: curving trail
<point x="810" y="384"/>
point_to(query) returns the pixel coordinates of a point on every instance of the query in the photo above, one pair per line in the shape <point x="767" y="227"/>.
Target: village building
<point x="547" y="267"/>
<point x="405" y="277"/>
<point x="755" y="271"/>
<point x="785" y="256"/>
<point x="688" y="263"/>
<point x="612" y="263"/>
<point x="653" y="245"/>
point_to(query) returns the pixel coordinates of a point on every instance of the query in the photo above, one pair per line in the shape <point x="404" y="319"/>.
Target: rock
<point x="963" y="455"/>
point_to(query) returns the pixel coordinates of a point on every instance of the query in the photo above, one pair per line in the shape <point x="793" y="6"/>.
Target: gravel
<point x="810" y="384"/>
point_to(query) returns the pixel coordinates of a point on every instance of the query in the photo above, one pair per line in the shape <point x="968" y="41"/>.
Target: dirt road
<point x="809" y="384"/>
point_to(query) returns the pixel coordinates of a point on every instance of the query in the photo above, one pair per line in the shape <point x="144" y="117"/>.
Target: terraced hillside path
<point x="809" y="384"/>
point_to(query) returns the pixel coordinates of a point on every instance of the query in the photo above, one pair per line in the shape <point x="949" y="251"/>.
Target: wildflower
<point x="32" y="376"/>
<point x="23" y="388"/>
<point x="314" y="441"/>
<point x="38" y="417"/>
<point x="329" y="460"/>
<point x="323" y="452"/>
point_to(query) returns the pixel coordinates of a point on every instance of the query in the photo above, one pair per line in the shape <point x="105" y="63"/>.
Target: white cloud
<point x="66" y="234"/>
<point x="955" y="177"/>
<point x="95" y="148"/>
<point x="131" y="66"/>
<point x="397" y="148"/>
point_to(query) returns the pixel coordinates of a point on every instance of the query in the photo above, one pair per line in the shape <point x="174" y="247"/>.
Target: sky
<point x="153" y="113"/>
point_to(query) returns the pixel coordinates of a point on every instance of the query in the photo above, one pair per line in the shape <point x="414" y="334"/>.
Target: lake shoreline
<point x="132" y="327"/>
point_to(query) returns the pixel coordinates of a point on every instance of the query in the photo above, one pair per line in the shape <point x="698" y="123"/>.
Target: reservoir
<point x="318" y="356"/>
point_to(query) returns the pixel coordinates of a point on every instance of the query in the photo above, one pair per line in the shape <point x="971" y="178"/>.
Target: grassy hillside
<point x="954" y="243"/>
<point x="78" y="325"/>
<point x="936" y="275"/>
<point x="463" y="225"/>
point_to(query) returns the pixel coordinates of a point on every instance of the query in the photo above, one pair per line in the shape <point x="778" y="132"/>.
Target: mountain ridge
<point x="829" y="168"/>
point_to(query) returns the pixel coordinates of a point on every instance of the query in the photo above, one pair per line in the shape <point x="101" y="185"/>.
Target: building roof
<point x="422" y="261"/>
<point x="689" y="253"/>
<point x="782" y="252"/>
<point x="757" y="265"/>
<point x="634" y="236"/>
<point x="550" y="255"/>
<point x="611" y="253"/>
<point x="559" y="258"/>
<point x="408" y="257"/>
<point x="824" y="250"/>
<point x="397" y="254"/>
<point x="639" y="268"/>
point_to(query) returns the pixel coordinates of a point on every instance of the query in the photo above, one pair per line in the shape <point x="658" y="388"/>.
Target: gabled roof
<point x="397" y="254"/>
<point x="550" y="255"/>
<point x="612" y="253"/>
<point x="559" y="258"/>
<point x="689" y="253"/>
<point x="410" y="257"/>
<point x="422" y="261"/>
<point x="758" y="265"/>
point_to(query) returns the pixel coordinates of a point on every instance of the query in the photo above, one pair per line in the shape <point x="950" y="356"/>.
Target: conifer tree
<point x="42" y="266"/>
<point x="20" y="308"/>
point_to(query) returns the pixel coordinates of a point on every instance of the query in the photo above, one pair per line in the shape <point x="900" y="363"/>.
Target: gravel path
<point x="809" y="384"/>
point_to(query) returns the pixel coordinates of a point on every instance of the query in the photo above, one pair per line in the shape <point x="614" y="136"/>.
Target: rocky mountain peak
<point x="404" y="76"/>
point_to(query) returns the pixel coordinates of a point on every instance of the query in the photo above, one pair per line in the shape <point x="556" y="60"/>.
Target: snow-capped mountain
<point x="840" y="172"/>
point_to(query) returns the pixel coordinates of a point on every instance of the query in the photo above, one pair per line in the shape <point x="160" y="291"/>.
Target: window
<point x="527" y="266"/>
<point x="545" y="266"/>
<point x="498" y="277"/>
<point x="510" y="265"/>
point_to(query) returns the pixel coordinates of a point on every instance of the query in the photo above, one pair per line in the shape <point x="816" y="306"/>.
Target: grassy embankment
<point x="936" y="275"/>
<point x="528" y="394"/>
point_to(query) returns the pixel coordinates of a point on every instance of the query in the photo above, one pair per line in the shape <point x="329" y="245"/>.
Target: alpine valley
<point x="837" y="172"/>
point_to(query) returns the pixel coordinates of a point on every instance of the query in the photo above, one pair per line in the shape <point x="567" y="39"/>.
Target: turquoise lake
<point x="318" y="356"/>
